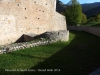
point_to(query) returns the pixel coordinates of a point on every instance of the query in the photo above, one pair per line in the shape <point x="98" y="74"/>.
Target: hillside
<point x="93" y="11"/>
<point x="89" y="6"/>
<point x="60" y="7"/>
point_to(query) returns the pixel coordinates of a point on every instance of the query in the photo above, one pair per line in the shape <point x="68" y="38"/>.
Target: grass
<point x="96" y="24"/>
<point x="28" y="57"/>
<point x="79" y="56"/>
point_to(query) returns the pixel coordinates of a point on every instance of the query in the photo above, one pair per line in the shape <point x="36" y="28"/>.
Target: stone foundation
<point x="61" y="35"/>
<point x="32" y="40"/>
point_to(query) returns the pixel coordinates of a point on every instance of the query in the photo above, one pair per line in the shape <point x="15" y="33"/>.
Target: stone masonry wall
<point x="32" y="40"/>
<point x="92" y="30"/>
<point x="21" y="46"/>
<point x="18" y="17"/>
<point x="61" y="35"/>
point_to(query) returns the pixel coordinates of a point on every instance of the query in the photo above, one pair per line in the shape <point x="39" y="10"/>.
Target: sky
<point x="81" y="1"/>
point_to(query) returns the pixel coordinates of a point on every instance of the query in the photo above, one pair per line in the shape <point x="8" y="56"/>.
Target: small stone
<point x="4" y="52"/>
<point x="0" y="51"/>
<point x="4" y="49"/>
<point x="42" y="38"/>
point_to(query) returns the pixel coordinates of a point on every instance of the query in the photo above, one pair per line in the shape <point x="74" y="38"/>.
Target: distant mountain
<point x="88" y="6"/>
<point x="93" y="11"/>
<point x="60" y="7"/>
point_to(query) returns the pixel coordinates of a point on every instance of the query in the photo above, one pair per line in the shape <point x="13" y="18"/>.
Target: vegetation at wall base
<point x="95" y="24"/>
<point x="79" y="56"/>
<point x="93" y="21"/>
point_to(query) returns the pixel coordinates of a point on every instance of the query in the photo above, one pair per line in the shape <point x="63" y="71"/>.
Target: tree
<point x="73" y="13"/>
<point x="91" y="19"/>
<point x="98" y="18"/>
<point x="84" y="19"/>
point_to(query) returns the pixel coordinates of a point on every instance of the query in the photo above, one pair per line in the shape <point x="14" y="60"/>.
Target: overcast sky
<point x="81" y="1"/>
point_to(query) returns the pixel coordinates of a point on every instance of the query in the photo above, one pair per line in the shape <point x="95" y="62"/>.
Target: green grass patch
<point x="29" y="57"/>
<point x="96" y="24"/>
<point x="79" y="56"/>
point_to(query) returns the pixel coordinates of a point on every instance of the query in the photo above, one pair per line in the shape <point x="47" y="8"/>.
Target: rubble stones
<point x="45" y="38"/>
<point x="18" y="46"/>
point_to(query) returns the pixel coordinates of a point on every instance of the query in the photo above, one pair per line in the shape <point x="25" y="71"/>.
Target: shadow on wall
<point x="80" y="57"/>
<point x="21" y="39"/>
<point x="27" y="38"/>
<point x="53" y="35"/>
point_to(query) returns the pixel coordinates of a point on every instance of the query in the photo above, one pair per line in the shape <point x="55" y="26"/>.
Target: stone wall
<point x="89" y="29"/>
<point x="21" y="46"/>
<point x="61" y="35"/>
<point x="18" y="17"/>
<point x="32" y="40"/>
